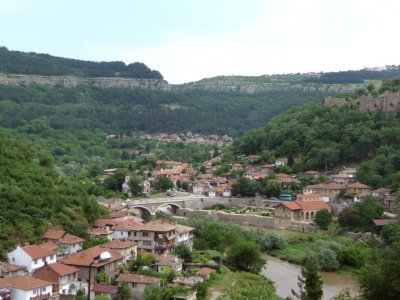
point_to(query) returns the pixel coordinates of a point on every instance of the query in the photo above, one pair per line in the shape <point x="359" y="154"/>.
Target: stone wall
<point x="71" y="82"/>
<point x="388" y="102"/>
<point x="251" y="220"/>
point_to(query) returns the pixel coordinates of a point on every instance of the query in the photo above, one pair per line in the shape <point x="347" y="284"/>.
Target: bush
<point x="351" y="256"/>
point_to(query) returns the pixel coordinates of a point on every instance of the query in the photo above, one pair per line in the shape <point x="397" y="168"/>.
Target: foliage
<point x="43" y="64"/>
<point x="310" y="282"/>
<point x="33" y="196"/>
<point x="251" y="286"/>
<point x="323" y="218"/>
<point x="141" y="260"/>
<point x="380" y="277"/>
<point x="90" y="242"/>
<point x="100" y="297"/>
<point x="101" y="276"/>
<point x="369" y="208"/>
<point x="163" y="184"/>
<point x="124" y="292"/>
<point x="345" y="295"/>
<point x="391" y="233"/>
<point x="153" y="292"/>
<point x="184" y="252"/>
<point x="115" y="181"/>
<point x="349" y="217"/>
<point x="136" y="185"/>
<point x="245" y="256"/>
<point x="245" y="187"/>
<point x="270" y="187"/>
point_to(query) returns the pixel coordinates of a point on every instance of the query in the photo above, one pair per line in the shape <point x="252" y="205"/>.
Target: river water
<point x="285" y="276"/>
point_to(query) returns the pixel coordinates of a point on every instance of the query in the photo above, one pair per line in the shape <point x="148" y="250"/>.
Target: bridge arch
<point x="146" y="214"/>
<point x="174" y="206"/>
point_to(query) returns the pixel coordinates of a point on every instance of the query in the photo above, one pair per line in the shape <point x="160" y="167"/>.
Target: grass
<point x="287" y="234"/>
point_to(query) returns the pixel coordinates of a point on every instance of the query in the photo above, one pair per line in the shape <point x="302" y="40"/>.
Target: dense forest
<point x="34" y="196"/>
<point x="126" y="110"/>
<point x="320" y="137"/>
<point x="16" y="62"/>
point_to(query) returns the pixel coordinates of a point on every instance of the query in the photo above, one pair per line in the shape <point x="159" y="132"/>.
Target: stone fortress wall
<point x="389" y="102"/>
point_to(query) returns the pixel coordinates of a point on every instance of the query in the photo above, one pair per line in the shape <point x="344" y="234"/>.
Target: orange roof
<point x="118" y="244"/>
<point x="166" y="172"/>
<point x="103" y="288"/>
<point x="35" y="251"/>
<point x="291" y="205"/>
<point x="10" y="267"/>
<point x="182" y="228"/>
<point x="49" y="245"/>
<point x="205" y="272"/>
<point x="99" y="231"/>
<point x="136" y="278"/>
<point x="127" y="225"/>
<point x="86" y="257"/>
<point x="53" y="234"/>
<point x="71" y="239"/>
<point x="358" y="185"/>
<point x="103" y="222"/>
<point x="23" y="283"/>
<point x="158" y="225"/>
<point x="61" y="269"/>
<point x="312" y="205"/>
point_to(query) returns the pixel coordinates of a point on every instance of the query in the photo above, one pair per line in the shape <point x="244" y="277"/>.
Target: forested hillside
<point x="126" y="110"/>
<point x="33" y="196"/>
<point x="16" y="62"/>
<point x="324" y="137"/>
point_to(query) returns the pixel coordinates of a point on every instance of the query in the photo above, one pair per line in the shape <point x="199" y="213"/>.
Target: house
<point x="67" y="242"/>
<point x="27" y="288"/>
<point x="387" y="197"/>
<point x="104" y="224"/>
<point x="32" y="257"/>
<point x="184" y="235"/>
<point x="62" y="277"/>
<point x="9" y="270"/>
<point x="329" y="190"/>
<point x="358" y="188"/>
<point x="157" y="236"/>
<point x="237" y="167"/>
<point x="127" y="249"/>
<point x="166" y="173"/>
<point x="300" y="210"/>
<point x="126" y="230"/>
<point x="312" y="174"/>
<point x="227" y="191"/>
<point x="138" y="283"/>
<point x="205" y="272"/>
<point x="85" y="259"/>
<point x="107" y="291"/>
<point x="310" y="197"/>
<point x="100" y="233"/>
<point x="200" y="188"/>
<point x="267" y="168"/>
<point x="166" y="262"/>
<point x="146" y="186"/>
<point x="281" y="162"/>
<point x="342" y="178"/>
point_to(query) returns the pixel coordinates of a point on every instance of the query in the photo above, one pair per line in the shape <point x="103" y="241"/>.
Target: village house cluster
<point x="189" y="137"/>
<point x="59" y="267"/>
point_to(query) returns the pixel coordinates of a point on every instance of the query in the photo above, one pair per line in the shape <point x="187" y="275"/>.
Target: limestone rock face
<point x="71" y="82"/>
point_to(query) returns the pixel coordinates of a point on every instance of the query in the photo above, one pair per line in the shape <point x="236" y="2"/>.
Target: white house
<point x="184" y="235"/>
<point x="32" y="257"/>
<point x="27" y="288"/>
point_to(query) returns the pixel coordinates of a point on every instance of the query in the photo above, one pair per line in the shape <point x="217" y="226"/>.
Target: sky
<point x="187" y="40"/>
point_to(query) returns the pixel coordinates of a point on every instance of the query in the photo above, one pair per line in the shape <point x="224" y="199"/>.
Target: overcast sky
<point x="187" y="40"/>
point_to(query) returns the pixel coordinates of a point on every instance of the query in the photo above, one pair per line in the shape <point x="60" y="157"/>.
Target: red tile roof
<point x="35" y="251"/>
<point x="118" y="244"/>
<point x="61" y="269"/>
<point x="183" y="229"/>
<point x="291" y="205"/>
<point x="358" y="185"/>
<point x="50" y="245"/>
<point x="158" y="225"/>
<point x="205" y="272"/>
<point x="85" y="257"/>
<point x="312" y="205"/>
<point x="382" y="222"/>
<point x="10" y="267"/>
<point x="103" y="222"/>
<point x="23" y="283"/>
<point x="53" y="234"/>
<point x="127" y="226"/>
<point x="136" y="278"/>
<point x="103" y="288"/>
<point x="71" y="239"/>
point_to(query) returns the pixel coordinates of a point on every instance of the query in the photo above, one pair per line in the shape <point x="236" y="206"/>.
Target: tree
<point x="101" y="276"/>
<point x="136" y="185"/>
<point x="380" y="276"/>
<point x="369" y="208"/>
<point x="245" y="256"/>
<point x="349" y="217"/>
<point x="115" y="181"/>
<point x="245" y="187"/>
<point x="310" y="282"/>
<point x="124" y="292"/>
<point x="271" y="188"/>
<point x="184" y="252"/>
<point x="153" y="292"/>
<point x="164" y="183"/>
<point x="323" y="218"/>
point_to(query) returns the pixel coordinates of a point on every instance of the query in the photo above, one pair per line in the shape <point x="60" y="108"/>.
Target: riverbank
<point x="285" y="277"/>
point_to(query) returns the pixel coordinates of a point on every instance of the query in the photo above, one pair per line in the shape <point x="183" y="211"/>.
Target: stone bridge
<point x="150" y="207"/>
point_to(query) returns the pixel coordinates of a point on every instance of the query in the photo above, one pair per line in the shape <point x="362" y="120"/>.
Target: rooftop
<point x="23" y="283"/>
<point x="136" y="278"/>
<point x="36" y="251"/>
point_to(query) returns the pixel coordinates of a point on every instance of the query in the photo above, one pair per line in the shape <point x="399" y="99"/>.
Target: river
<point x="285" y="274"/>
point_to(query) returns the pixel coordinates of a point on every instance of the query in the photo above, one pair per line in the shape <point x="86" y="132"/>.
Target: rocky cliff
<point x="70" y="81"/>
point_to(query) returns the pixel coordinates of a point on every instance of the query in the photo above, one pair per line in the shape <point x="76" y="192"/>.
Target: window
<point x="145" y="234"/>
<point x="122" y="233"/>
<point x="13" y="259"/>
<point x="43" y="260"/>
<point x="52" y="257"/>
<point x="134" y="233"/>
<point x="35" y="292"/>
<point x="43" y="289"/>
<point x="35" y="261"/>
<point x="146" y="243"/>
